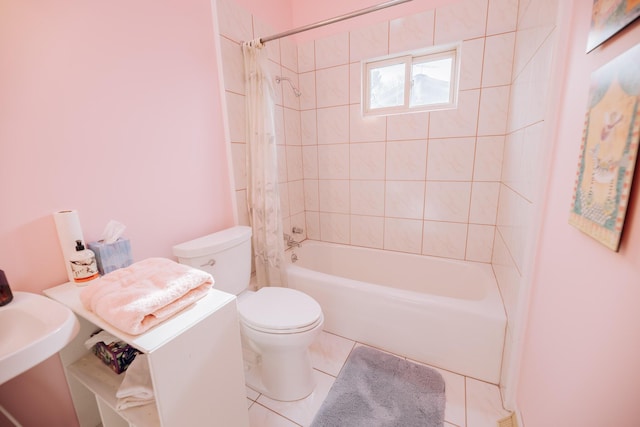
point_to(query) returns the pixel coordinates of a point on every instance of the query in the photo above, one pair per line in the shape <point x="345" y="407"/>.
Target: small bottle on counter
<point x="5" y="291"/>
<point x="83" y="264"/>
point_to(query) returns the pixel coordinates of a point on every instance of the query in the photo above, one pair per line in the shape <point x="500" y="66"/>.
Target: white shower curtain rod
<point x="333" y="20"/>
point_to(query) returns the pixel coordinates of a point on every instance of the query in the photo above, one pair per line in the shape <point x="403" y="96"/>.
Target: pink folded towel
<point x="144" y="294"/>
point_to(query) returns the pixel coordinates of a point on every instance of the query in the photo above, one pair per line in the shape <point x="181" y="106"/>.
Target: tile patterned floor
<point x="470" y="403"/>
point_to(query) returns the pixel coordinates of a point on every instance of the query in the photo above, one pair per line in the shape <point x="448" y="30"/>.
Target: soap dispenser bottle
<point x="5" y="291"/>
<point x="83" y="264"/>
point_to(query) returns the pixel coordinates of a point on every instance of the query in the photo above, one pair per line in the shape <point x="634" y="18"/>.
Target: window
<point x="415" y="81"/>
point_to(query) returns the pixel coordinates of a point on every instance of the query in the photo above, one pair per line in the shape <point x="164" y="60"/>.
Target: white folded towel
<point x="136" y="388"/>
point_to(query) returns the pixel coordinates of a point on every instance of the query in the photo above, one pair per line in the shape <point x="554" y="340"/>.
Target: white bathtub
<point x="441" y="312"/>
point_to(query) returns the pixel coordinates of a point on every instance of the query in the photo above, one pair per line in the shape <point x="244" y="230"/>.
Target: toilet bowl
<point x="277" y="324"/>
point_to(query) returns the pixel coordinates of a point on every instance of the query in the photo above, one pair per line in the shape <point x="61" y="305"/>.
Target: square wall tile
<point x="450" y="159"/>
<point x="444" y="239"/>
<point x="306" y="57"/>
<point x="313" y="225"/>
<point x="289" y="54"/>
<point x="307" y="82"/>
<point x="403" y="235"/>
<point x="232" y="66"/>
<point x="333" y="161"/>
<point x="447" y="201"/>
<point x="367" y="231"/>
<point x="480" y="243"/>
<point x="458" y="122"/>
<point x="311" y="198"/>
<point x="234" y="21"/>
<point x="334" y="227"/>
<point x="471" y="66"/>
<point x="310" y="162"/>
<point x="292" y="131"/>
<point x="411" y="32"/>
<point x="308" y="128"/>
<point x="498" y="59"/>
<point x="369" y="42"/>
<point x="367" y="160"/>
<point x="462" y="20"/>
<point x="296" y="197"/>
<point x="503" y="16"/>
<point x="334" y="195"/>
<point x="406" y="160"/>
<point x="332" y="86"/>
<point x="294" y="163"/>
<point x="367" y="198"/>
<point x="484" y="202"/>
<point x="365" y="129"/>
<point x="333" y="125"/>
<point x="237" y="116"/>
<point x="332" y="50"/>
<point x="407" y="126"/>
<point x="507" y="275"/>
<point x="488" y="162"/>
<point x="494" y="110"/>
<point x="355" y="81"/>
<point x="404" y="199"/>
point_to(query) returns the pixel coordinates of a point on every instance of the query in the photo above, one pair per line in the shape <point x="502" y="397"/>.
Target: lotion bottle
<point x="83" y="264"/>
<point x="5" y="291"/>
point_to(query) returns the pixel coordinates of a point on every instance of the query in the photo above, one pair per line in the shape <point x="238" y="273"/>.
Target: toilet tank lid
<point x="213" y="243"/>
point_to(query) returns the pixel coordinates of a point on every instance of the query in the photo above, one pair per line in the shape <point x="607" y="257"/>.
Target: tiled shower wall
<point x="424" y="183"/>
<point x="525" y="159"/>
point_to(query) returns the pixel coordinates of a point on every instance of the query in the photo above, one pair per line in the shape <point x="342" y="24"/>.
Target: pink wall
<point x="112" y="109"/>
<point x="276" y="13"/>
<point x="582" y="346"/>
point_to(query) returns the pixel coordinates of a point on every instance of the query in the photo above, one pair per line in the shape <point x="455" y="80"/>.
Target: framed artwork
<point x="608" y="17"/>
<point x="608" y="150"/>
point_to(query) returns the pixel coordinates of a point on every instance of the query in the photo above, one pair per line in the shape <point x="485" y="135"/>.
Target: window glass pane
<point x="431" y="82"/>
<point x="386" y="86"/>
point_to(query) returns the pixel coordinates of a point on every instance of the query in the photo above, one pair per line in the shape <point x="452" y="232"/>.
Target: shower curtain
<point x="263" y="199"/>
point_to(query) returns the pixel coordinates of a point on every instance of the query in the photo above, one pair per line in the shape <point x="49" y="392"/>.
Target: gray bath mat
<point x="376" y="389"/>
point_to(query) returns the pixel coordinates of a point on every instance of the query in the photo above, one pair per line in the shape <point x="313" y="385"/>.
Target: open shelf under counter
<point x="104" y="383"/>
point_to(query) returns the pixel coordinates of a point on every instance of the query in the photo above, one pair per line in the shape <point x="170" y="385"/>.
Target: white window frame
<point x="409" y="58"/>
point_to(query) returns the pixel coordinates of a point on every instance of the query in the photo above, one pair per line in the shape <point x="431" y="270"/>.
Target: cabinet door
<point x="198" y="375"/>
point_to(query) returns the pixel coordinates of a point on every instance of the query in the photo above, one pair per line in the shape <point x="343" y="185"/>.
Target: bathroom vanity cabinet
<point x="195" y="361"/>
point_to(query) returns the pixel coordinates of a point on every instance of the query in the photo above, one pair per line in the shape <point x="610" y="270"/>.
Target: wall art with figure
<point x="608" y="151"/>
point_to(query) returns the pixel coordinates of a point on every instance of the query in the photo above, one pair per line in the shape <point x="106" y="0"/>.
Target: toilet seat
<point x="278" y="310"/>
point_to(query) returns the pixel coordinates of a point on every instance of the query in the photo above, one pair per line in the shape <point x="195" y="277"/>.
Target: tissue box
<point x="118" y="355"/>
<point x="112" y="256"/>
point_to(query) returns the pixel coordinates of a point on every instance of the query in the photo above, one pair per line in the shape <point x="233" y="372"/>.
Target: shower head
<point x="296" y="92"/>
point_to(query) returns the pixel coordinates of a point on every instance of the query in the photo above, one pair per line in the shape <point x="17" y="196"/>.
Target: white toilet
<point x="278" y="324"/>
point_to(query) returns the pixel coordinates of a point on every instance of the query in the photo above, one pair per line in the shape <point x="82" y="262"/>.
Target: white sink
<point x="32" y="329"/>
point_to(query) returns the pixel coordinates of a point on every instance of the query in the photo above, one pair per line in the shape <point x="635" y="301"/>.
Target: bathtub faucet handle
<point x="297" y="230"/>
<point x="291" y="242"/>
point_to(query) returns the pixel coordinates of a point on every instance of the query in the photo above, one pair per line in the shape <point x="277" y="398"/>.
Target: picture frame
<point x="609" y="150"/>
<point x="608" y="17"/>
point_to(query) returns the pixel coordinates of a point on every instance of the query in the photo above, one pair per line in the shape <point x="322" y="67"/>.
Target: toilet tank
<point x="225" y="254"/>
